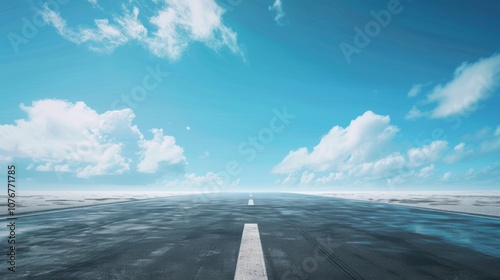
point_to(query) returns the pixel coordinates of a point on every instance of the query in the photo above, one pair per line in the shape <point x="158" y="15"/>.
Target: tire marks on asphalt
<point x="330" y="256"/>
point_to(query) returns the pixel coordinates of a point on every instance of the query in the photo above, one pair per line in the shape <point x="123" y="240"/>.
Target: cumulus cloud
<point x="471" y="84"/>
<point x="157" y="150"/>
<point x="66" y="136"/>
<point x="378" y="168"/>
<point x="428" y="153"/>
<point x="360" y="153"/>
<point x="342" y="148"/>
<point x="352" y="156"/>
<point x="364" y="154"/>
<point x="61" y="136"/>
<point x="277" y="7"/>
<point x="174" y="24"/>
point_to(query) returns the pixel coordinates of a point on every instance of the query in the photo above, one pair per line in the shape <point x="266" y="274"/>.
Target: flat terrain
<point x="474" y="202"/>
<point x="302" y="237"/>
<point x="33" y="201"/>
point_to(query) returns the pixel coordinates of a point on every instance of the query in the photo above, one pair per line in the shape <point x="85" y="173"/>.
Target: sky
<point x="268" y="95"/>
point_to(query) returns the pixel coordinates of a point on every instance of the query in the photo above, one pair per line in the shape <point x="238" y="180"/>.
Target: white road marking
<point x="250" y="201"/>
<point x="250" y="265"/>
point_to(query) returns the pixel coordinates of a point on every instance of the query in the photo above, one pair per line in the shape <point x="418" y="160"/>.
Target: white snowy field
<point x="34" y="201"/>
<point x="473" y="202"/>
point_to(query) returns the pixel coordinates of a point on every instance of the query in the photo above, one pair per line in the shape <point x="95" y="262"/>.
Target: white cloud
<point x="426" y="172"/>
<point x="306" y="178"/>
<point x="278" y="8"/>
<point x="104" y="37"/>
<point x="360" y="154"/>
<point x="204" y="182"/>
<point x="484" y="142"/>
<point x="44" y="167"/>
<point x="291" y="162"/>
<point x="485" y="176"/>
<point x="67" y="136"/>
<point x="414" y="113"/>
<point x="290" y="179"/>
<point x="459" y="152"/>
<point x="397" y="180"/>
<point x="131" y="24"/>
<point x="415" y="90"/>
<point x="157" y="150"/>
<point x="459" y="147"/>
<point x="342" y="148"/>
<point x="379" y="168"/>
<point x="471" y="84"/>
<point x="175" y="24"/>
<point x="94" y="3"/>
<point x="447" y="176"/>
<point x="330" y="178"/>
<point x="364" y="154"/>
<point x="428" y="153"/>
<point x="184" y="21"/>
<point x="61" y="136"/>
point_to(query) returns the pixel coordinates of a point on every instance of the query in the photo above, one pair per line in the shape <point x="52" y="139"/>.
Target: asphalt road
<point x="302" y="237"/>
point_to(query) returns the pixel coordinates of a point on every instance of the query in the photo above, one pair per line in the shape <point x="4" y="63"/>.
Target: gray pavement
<point x="302" y="237"/>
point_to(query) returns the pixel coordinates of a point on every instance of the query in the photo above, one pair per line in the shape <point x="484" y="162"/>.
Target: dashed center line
<point x="250" y="202"/>
<point x="250" y="265"/>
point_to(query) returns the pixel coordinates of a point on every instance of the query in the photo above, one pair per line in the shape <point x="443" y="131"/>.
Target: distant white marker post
<point x="250" y="202"/>
<point x="250" y="265"/>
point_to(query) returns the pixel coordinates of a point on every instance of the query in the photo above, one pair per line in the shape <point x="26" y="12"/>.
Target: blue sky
<point x="263" y="95"/>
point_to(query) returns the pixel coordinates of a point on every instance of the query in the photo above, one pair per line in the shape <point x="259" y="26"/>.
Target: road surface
<point x="265" y="236"/>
